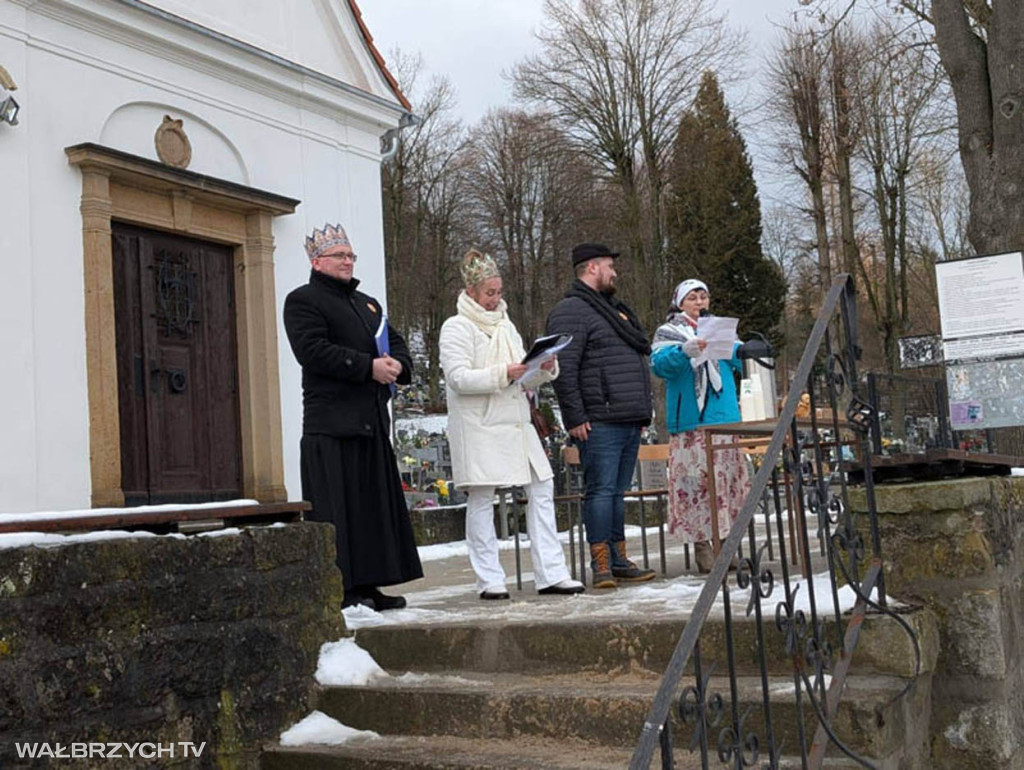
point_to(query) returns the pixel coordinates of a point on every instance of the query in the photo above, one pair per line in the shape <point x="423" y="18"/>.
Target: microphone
<point x="704" y="312"/>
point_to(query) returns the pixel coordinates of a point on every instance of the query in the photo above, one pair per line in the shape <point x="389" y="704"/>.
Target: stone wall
<point x="165" y="639"/>
<point x="956" y="546"/>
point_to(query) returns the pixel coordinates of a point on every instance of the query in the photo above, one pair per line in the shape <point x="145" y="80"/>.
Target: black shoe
<point x="494" y="595"/>
<point x="353" y="599"/>
<point x="383" y="602"/>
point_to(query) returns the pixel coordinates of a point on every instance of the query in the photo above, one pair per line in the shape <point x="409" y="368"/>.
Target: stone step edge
<point x="443" y="752"/>
<point x="883" y="646"/>
<point x="475" y="683"/>
<point x="595" y="713"/>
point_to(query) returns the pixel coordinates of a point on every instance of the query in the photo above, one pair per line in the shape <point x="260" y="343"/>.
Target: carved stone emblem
<point x="172" y="144"/>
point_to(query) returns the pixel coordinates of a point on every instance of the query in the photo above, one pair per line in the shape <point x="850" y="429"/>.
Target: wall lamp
<point x="9" y="108"/>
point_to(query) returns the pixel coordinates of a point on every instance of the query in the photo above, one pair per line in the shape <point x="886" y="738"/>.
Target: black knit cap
<point x="581" y="252"/>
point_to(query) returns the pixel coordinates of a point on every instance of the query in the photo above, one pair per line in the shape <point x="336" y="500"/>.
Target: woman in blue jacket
<point x="698" y="393"/>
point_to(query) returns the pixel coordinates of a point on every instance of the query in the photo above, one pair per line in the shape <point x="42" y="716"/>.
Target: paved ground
<point x="447" y="592"/>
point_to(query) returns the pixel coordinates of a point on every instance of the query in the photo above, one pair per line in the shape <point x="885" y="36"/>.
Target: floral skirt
<point x="689" y="505"/>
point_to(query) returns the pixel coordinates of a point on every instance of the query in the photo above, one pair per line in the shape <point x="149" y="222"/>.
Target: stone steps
<point x="623" y="645"/>
<point x="448" y="753"/>
<point x="872" y="717"/>
<point x="574" y="694"/>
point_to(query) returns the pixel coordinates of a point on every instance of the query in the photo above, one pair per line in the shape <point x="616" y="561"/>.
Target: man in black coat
<point x="351" y="359"/>
<point x="604" y="392"/>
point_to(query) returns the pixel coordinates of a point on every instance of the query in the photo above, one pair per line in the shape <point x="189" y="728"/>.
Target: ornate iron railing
<point x="804" y="464"/>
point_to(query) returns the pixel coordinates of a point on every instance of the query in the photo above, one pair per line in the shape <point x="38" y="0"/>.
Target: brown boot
<point x="704" y="555"/>
<point x="626" y="571"/>
<point x="601" y="565"/>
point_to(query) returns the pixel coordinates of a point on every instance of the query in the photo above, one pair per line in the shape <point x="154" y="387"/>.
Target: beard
<point x="608" y="286"/>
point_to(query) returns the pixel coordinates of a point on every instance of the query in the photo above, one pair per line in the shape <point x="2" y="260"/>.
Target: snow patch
<point x="345" y="663"/>
<point x="54" y="540"/>
<point x="413" y="678"/>
<point x="360" y="616"/>
<point x="664" y="598"/>
<point x="428" y="423"/>
<point x="788" y="688"/>
<point x="30" y="517"/>
<point x="320" y="728"/>
<point x="48" y="539"/>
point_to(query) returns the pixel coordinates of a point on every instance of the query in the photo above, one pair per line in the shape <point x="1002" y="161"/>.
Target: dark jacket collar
<point x="343" y="288"/>
<point x="621" y="318"/>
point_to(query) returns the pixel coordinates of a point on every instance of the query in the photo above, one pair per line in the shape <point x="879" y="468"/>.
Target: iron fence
<point x="911" y="416"/>
<point x="801" y="485"/>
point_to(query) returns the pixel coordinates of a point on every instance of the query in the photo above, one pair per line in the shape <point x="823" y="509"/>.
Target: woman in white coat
<point x="492" y="440"/>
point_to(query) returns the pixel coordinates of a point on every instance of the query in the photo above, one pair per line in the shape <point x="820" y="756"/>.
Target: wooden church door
<point x="177" y="367"/>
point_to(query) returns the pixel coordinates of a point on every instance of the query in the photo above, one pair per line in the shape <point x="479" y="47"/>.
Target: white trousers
<point x="545" y="549"/>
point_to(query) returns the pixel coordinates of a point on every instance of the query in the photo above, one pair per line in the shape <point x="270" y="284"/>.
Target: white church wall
<point x="19" y="266"/>
<point x="339" y="187"/>
<point x="293" y="137"/>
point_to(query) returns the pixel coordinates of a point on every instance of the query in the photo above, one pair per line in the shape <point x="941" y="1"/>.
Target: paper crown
<point x="322" y="240"/>
<point x="477" y="267"/>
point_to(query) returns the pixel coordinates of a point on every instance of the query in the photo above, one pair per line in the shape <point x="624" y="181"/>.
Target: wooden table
<point x="761" y="430"/>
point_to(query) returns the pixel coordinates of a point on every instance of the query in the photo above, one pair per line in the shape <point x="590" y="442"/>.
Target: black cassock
<point x="349" y="473"/>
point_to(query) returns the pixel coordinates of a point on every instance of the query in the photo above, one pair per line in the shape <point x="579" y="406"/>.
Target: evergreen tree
<point x="714" y="217"/>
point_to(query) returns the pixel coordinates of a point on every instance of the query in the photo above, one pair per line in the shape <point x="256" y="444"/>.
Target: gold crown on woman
<point x="478" y="267"/>
<point x="322" y="240"/>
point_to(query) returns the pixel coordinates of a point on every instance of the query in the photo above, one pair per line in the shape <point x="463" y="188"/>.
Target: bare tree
<point x="615" y="76"/>
<point x="786" y="240"/>
<point x="945" y="202"/>
<point x="528" y="184"/>
<point x="796" y="79"/>
<point x="845" y="57"/>
<point x="979" y="44"/>
<point x="425" y="204"/>
<point x="898" y="99"/>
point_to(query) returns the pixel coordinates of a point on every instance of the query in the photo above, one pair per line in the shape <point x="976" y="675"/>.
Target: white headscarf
<point x="684" y="288"/>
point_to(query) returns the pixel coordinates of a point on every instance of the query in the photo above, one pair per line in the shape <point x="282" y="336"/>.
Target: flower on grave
<point x="442" y="489"/>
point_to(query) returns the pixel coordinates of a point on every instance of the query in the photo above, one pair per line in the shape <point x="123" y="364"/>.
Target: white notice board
<point x="981" y="306"/>
<point x="981" y="312"/>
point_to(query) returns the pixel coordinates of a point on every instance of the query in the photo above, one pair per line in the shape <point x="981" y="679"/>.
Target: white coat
<point x="490" y="435"/>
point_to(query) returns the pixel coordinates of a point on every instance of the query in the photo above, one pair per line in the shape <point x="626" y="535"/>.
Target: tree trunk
<point x="988" y="82"/>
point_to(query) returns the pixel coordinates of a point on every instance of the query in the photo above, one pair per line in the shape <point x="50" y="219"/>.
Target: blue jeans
<point x="608" y="457"/>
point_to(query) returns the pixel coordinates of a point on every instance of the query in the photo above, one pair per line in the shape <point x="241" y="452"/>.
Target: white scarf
<point x="504" y="346"/>
<point x="680" y="328"/>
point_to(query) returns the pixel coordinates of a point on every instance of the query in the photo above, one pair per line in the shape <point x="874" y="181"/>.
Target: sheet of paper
<point x="720" y="334"/>
<point x="544" y="345"/>
<point x="537" y="361"/>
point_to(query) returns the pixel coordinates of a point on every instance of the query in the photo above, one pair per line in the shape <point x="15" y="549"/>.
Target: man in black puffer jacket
<point x="604" y="392"/>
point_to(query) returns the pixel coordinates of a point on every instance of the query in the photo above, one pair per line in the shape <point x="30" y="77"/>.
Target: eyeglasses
<point x="342" y="257"/>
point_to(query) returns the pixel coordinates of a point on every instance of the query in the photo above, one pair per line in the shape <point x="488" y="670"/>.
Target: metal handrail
<point x="841" y="371"/>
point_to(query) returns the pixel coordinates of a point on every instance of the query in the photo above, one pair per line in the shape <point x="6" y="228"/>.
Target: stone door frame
<point x="134" y="190"/>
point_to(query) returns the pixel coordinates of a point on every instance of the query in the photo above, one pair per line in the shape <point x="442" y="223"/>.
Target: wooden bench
<point x="162" y="520"/>
<point x="574" y="499"/>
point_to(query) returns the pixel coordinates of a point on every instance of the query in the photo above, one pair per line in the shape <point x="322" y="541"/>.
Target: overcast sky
<point x="474" y="41"/>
